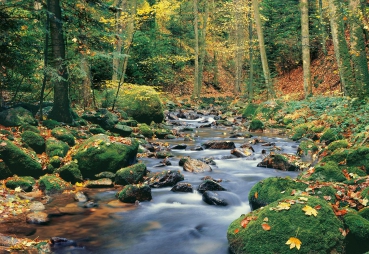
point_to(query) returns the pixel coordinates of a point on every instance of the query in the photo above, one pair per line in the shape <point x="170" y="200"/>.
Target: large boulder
<point x="34" y="141"/>
<point x="51" y="184"/>
<point x="16" y="117"/>
<point x="305" y="223"/>
<point x="136" y="192"/>
<point x="26" y="183"/>
<point x="70" y="172"/>
<point x="210" y="185"/>
<point x="142" y="103"/>
<point x="102" y="117"/>
<point x="19" y="162"/>
<point x="285" y="162"/>
<point x="63" y="134"/>
<point x="219" y="145"/>
<point x="99" y="153"/>
<point x="131" y="175"/>
<point x="56" y="147"/>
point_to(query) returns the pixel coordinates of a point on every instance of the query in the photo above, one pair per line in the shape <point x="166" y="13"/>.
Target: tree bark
<point x="322" y="27"/>
<point x="121" y="7"/>
<point x="264" y="60"/>
<point x="196" y="30"/>
<point x="61" y="110"/>
<point x="238" y="49"/>
<point x="202" y="47"/>
<point x="306" y="47"/>
<point x="250" y="85"/>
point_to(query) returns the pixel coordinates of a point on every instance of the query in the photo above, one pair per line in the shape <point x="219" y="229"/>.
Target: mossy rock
<point x="267" y="110"/>
<point x="96" y="129"/>
<point x="272" y="189"/>
<point x="122" y="130"/>
<point x="105" y="174"/>
<point x="70" y="173"/>
<point x="130" y="193"/>
<point x="146" y="130"/>
<point x="34" y="141"/>
<point x="162" y="133"/>
<point x="285" y="162"/>
<point x="164" y="154"/>
<point x="102" y="117"/>
<point x="256" y="125"/>
<point x="51" y="184"/>
<point x="299" y="132"/>
<point x="64" y="134"/>
<point x="27" y="127"/>
<point x="338" y="155"/>
<point x="19" y="162"/>
<point x="318" y="234"/>
<point x="142" y="103"/>
<point x="338" y="144"/>
<point x="249" y="111"/>
<point x="98" y="154"/>
<point x="51" y="124"/>
<point x="327" y="172"/>
<point x="25" y="182"/>
<point x="131" y="175"/>
<point x="364" y="212"/>
<point x="357" y="240"/>
<point x="307" y="147"/>
<point x="56" y="147"/>
<point x="4" y="171"/>
<point x="7" y="134"/>
<point x="17" y="116"/>
<point x="359" y="158"/>
<point x="330" y="135"/>
<point x="129" y="122"/>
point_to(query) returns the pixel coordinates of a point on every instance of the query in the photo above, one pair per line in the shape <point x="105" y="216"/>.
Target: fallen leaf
<point x="318" y="207"/>
<point x="344" y="232"/>
<point x="283" y="206"/>
<point x="266" y="219"/>
<point x="236" y="231"/>
<point x="303" y="199"/>
<point x="265" y="226"/>
<point x="256" y="195"/>
<point x="310" y="211"/>
<point x="294" y="242"/>
<point x="18" y="189"/>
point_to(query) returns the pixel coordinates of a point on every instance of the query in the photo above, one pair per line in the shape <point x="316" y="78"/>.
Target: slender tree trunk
<point x="264" y="60"/>
<point x="86" y="83"/>
<point x="120" y="7"/>
<point x="196" y="30"/>
<point x="358" y="52"/>
<point x="61" y="110"/>
<point x="202" y="47"/>
<point x="251" y="57"/>
<point x="306" y="47"/>
<point x="238" y="50"/>
<point x="340" y="46"/>
<point x="323" y="33"/>
<point x="46" y="51"/>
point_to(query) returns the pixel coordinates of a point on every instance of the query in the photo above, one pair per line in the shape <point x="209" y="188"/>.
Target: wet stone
<point x="182" y="187"/>
<point x="37" y="218"/>
<point x="80" y="197"/>
<point x="209" y="185"/>
<point x="36" y="206"/>
<point x="101" y="183"/>
<point x="213" y="198"/>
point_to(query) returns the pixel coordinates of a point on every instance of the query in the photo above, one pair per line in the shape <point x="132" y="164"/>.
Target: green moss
<point x="325" y="191"/>
<point x="122" y="130"/>
<point x="267" y="110"/>
<point x="306" y="147"/>
<point x="318" y="234"/>
<point x="338" y="155"/>
<point x="63" y="134"/>
<point x="96" y="129"/>
<point x="249" y="111"/>
<point x="337" y="145"/>
<point x="25" y="182"/>
<point x="328" y="172"/>
<point x="299" y="132"/>
<point x="130" y="122"/>
<point x="28" y="127"/>
<point x="70" y="173"/>
<point x="130" y="193"/>
<point x="50" y="124"/>
<point x="364" y="213"/>
<point x="51" y="184"/>
<point x="256" y="124"/>
<point x="18" y="161"/>
<point x="163" y="154"/>
<point x="7" y="134"/>
<point x="359" y="158"/>
<point x="34" y="141"/>
<point x="358" y="237"/>
<point x="56" y="148"/>
<point x="162" y="133"/>
<point x="131" y="175"/>
<point x="146" y="130"/>
<point x="4" y="170"/>
<point x="330" y="135"/>
<point x="272" y="189"/>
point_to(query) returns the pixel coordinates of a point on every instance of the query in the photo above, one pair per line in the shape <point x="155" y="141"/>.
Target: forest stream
<point x="172" y="222"/>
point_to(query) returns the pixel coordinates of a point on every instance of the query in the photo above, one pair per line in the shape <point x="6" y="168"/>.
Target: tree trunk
<point x="61" y="110"/>
<point x="202" y="47"/>
<point x="238" y="49"/>
<point x="196" y="30"/>
<point x="264" y="60"/>
<point x="120" y="6"/>
<point x="251" y="58"/>
<point x="358" y="53"/>
<point x="322" y="27"/>
<point x="86" y="83"/>
<point x="340" y="47"/>
<point x="306" y="47"/>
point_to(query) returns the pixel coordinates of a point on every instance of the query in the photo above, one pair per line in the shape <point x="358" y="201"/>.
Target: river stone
<point x="36" y="206"/>
<point x="80" y="197"/>
<point x="196" y="166"/>
<point x="209" y="185"/>
<point x="183" y="160"/>
<point x="70" y="172"/>
<point x="182" y="187"/>
<point x="37" y="218"/>
<point x="122" y="130"/>
<point x="285" y="162"/>
<point x="16" y="117"/>
<point x="241" y="152"/>
<point x="71" y="210"/>
<point x="164" y="178"/>
<point x="219" y="145"/>
<point x="100" y="183"/>
<point x="179" y="147"/>
<point x="131" y="175"/>
<point x="131" y="193"/>
<point x="213" y="198"/>
<point x="99" y="153"/>
<point x="90" y="204"/>
<point x="15" y="229"/>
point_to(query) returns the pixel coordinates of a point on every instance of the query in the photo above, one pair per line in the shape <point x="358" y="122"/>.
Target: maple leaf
<point x="282" y="206"/>
<point x="18" y="189"/>
<point x="236" y="231"/>
<point x="294" y="242"/>
<point x="310" y="211"/>
<point x="265" y="226"/>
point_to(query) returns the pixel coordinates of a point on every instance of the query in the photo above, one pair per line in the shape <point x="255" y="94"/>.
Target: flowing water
<point x="171" y="222"/>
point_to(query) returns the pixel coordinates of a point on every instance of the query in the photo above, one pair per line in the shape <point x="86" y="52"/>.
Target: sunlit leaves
<point x="310" y="211"/>
<point x="294" y="242"/>
<point x="282" y="206"/>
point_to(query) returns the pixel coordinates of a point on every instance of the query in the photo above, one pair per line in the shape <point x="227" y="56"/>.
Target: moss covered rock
<point x="162" y="133"/>
<point x="249" y="111"/>
<point x="146" y="130"/>
<point x="319" y="233"/>
<point x="131" y="175"/>
<point x="16" y="117"/>
<point x="299" y="132"/>
<point x="51" y="184"/>
<point x="272" y="189"/>
<point x="359" y="158"/>
<point x="34" y="141"/>
<point x="256" y="125"/>
<point x="28" y="127"/>
<point x="142" y="103"/>
<point x="19" y="162"/>
<point x="4" y="170"/>
<point x="122" y="130"/>
<point x="337" y="145"/>
<point x="358" y="237"/>
<point x="70" y="173"/>
<point x="7" y="134"/>
<point x="328" y="172"/>
<point x="51" y="124"/>
<point x="99" y="153"/>
<point x="102" y="117"/>
<point x="25" y="182"/>
<point x="130" y="193"/>
<point x="63" y="134"/>
<point x="56" y="147"/>
<point x="307" y="148"/>
<point x="330" y="135"/>
<point x="285" y="162"/>
<point x="267" y="110"/>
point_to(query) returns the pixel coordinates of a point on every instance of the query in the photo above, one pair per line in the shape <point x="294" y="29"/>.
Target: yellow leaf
<point x="294" y="242"/>
<point x="18" y="189"/>
<point x="283" y="206"/>
<point x="310" y="211"/>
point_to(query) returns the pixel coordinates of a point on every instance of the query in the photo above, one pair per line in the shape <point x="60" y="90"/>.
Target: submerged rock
<point x="37" y="218"/>
<point x="209" y="185"/>
<point x="131" y="193"/>
<point x="131" y="175"/>
<point x="219" y="145"/>
<point x="164" y="178"/>
<point x="196" y="166"/>
<point x="213" y="198"/>
<point x="182" y="187"/>
<point x="285" y="162"/>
